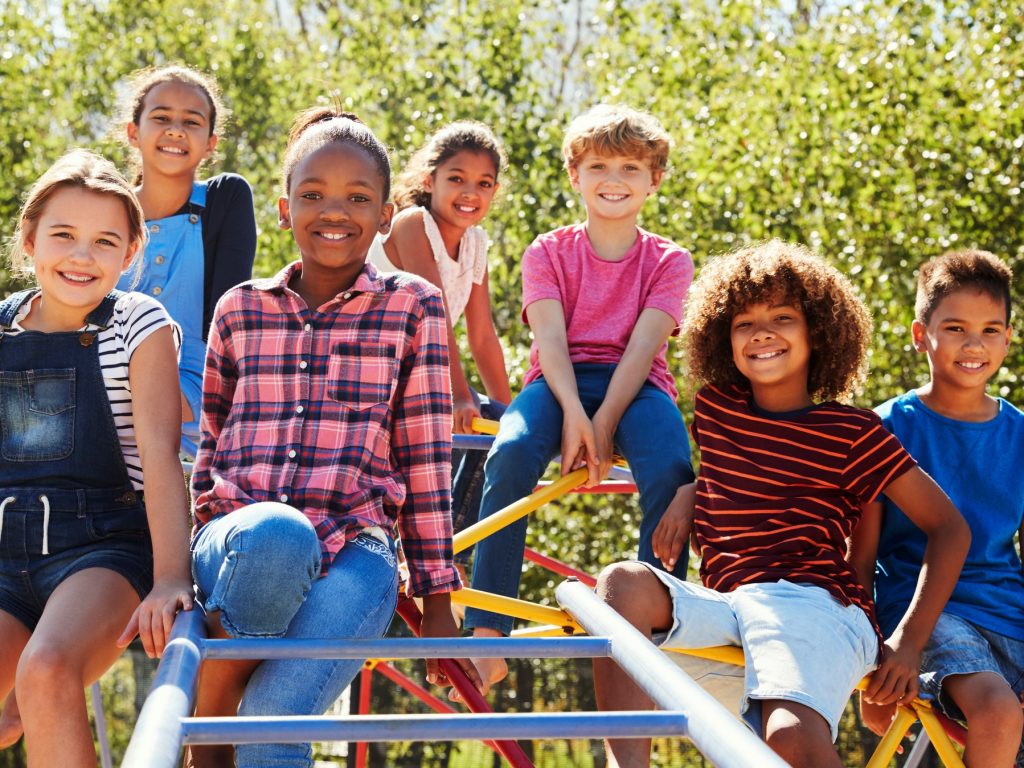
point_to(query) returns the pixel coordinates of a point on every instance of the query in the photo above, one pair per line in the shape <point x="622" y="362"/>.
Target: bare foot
<point x="491" y="671"/>
<point x="10" y="722"/>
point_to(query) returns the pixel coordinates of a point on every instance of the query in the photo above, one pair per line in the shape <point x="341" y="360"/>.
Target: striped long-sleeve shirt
<point x="778" y="494"/>
<point x="343" y="412"/>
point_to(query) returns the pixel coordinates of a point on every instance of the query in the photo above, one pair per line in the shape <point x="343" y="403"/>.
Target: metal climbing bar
<point x="715" y="732"/>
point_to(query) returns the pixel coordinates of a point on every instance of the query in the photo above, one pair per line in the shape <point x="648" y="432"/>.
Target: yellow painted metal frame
<point x="556" y="622"/>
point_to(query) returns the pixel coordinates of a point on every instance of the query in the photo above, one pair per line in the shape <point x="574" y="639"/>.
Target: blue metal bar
<point x="159" y="735"/>
<point x="100" y="718"/>
<point x="551" y="725"/>
<point x="410" y="648"/>
<point x="472" y="442"/>
<point x="715" y="732"/>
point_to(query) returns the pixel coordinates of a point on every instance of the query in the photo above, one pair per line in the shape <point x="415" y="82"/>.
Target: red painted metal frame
<point x="557" y="566"/>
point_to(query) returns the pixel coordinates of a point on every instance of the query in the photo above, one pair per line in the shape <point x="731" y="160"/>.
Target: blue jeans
<point x="259" y="566"/>
<point x="468" y="480"/>
<point x="651" y="436"/>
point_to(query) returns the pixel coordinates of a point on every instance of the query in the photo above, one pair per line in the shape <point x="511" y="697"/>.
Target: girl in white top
<point x="93" y="517"/>
<point x="442" y="195"/>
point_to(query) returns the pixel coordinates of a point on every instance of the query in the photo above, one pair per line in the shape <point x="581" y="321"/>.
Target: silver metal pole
<point x="715" y="732"/>
<point x="158" y="736"/>
<point x="100" y="719"/>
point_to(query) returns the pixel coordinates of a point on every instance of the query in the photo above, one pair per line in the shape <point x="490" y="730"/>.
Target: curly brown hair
<point x="837" y="320"/>
<point x="954" y="271"/>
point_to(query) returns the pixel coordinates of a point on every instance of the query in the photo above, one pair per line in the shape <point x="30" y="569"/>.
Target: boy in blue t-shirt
<point x="972" y="444"/>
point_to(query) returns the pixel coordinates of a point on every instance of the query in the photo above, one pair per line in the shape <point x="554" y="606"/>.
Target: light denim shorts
<point x="800" y="644"/>
<point x="958" y="647"/>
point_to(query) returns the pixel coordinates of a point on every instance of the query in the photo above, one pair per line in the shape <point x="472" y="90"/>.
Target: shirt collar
<point x="369" y="280"/>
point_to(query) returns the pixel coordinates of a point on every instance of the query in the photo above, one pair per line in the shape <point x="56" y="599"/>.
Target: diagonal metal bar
<point x="715" y="732"/>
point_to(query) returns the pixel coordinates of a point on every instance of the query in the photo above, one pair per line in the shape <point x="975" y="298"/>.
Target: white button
<point x="309" y="327"/>
<point x="154" y="228"/>
<point x="346" y="295"/>
<point x="292" y="453"/>
<point x="299" y="409"/>
<point x="303" y="365"/>
<point x="157" y="291"/>
<point x="159" y="259"/>
<point x="283" y="497"/>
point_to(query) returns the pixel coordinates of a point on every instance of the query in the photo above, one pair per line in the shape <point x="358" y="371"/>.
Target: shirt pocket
<point x="362" y="374"/>
<point x="37" y="414"/>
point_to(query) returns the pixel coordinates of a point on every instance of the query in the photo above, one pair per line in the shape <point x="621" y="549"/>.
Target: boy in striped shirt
<point x="775" y="335"/>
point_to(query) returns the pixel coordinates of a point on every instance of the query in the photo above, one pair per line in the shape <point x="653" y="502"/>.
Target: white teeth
<point x="174" y="150"/>
<point x="333" y="235"/>
<point x="76" y="278"/>
<point x="766" y="355"/>
<point x="614" y="198"/>
<point x="465" y="208"/>
<point x="971" y="366"/>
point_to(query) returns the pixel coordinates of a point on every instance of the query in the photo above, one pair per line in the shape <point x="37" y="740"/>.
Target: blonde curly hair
<point x="837" y="320"/>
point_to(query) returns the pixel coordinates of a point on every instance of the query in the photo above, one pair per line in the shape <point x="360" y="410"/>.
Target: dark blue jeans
<point x="468" y="479"/>
<point x="651" y="436"/>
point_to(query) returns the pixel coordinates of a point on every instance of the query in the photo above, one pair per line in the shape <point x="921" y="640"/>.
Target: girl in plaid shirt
<point x="326" y="432"/>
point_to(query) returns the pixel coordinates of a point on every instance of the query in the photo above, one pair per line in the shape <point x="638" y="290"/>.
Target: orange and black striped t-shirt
<point x="778" y="494"/>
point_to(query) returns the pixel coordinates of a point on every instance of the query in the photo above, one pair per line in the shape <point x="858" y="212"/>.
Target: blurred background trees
<point x="880" y="132"/>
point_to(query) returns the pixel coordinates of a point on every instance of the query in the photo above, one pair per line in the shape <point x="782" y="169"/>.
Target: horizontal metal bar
<point x="551" y="725"/>
<point x="472" y="442"/>
<point x="411" y="648"/>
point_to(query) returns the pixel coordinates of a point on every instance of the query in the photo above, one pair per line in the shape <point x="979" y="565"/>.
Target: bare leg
<point x="799" y="735"/>
<point x="639" y="597"/>
<point x="994" y="718"/>
<point x="13" y="637"/>
<point x="221" y="685"/>
<point x="74" y="643"/>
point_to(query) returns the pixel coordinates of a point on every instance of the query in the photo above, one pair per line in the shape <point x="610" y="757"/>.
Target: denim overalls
<point x="66" y="500"/>
<point x="173" y="272"/>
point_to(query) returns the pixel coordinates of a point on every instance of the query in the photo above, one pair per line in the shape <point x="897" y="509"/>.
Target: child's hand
<point x="464" y="410"/>
<point x="154" y="617"/>
<point x="438" y="622"/>
<point x="673" y="531"/>
<point x="877" y="717"/>
<point x="578" y="446"/>
<point x="895" y="680"/>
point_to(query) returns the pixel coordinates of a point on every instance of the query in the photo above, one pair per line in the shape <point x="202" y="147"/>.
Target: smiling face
<point x="613" y="187"/>
<point x="966" y="341"/>
<point x="771" y="347"/>
<point x="334" y="208"/>
<point x="79" y="247"/>
<point x="461" y="189"/>
<point x="173" y="133"/>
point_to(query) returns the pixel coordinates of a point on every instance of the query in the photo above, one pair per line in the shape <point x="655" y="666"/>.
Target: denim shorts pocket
<point x="126" y="522"/>
<point x="362" y="374"/>
<point x="37" y="414"/>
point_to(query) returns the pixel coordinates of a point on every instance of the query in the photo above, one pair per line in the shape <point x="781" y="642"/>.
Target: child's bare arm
<point x="651" y="331"/>
<point x="484" y="344"/>
<point x="547" y="321"/>
<point x="948" y="541"/>
<point x="158" y="430"/>
<point x="409" y="242"/>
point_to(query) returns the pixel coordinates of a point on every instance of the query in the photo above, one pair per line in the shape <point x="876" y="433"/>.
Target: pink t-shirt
<point x="602" y="300"/>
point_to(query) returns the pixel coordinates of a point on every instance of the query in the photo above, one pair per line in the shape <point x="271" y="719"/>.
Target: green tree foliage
<point x="881" y="132"/>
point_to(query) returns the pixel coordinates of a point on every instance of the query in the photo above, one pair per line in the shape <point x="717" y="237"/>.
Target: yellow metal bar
<point x="510" y="606"/>
<point x="947" y="752"/>
<point x="905" y="717"/>
<point x="730" y="654"/>
<point x="484" y="426"/>
<point x="516" y="510"/>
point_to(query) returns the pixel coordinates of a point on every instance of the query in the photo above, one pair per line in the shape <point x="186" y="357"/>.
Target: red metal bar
<point x="411" y="686"/>
<point x="473" y="699"/>
<point x="365" y="678"/>
<point x="557" y="566"/>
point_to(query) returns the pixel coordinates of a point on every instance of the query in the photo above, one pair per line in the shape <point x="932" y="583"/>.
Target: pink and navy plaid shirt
<point x="343" y="412"/>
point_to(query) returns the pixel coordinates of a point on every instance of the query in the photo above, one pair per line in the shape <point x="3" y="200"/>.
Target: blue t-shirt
<point x="980" y="466"/>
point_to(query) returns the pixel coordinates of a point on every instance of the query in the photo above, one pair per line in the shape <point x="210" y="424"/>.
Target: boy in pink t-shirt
<point x="601" y="298"/>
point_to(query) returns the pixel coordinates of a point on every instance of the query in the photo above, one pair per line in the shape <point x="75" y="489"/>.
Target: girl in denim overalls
<point x="84" y="372"/>
<point x="202" y="234"/>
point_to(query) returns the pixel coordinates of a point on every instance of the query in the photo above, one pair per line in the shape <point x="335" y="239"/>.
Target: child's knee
<point x="796" y="732"/>
<point x="631" y="589"/>
<point x="987" y="701"/>
<point x="42" y="669"/>
<point x="275" y="536"/>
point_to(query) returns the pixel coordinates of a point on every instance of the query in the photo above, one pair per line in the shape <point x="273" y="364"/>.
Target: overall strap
<point x="198" y="196"/>
<point x="9" y="307"/>
<point x="105" y="311"/>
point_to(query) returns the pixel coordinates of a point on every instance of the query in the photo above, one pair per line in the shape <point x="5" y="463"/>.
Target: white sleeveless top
<point x="457" y="277"/>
